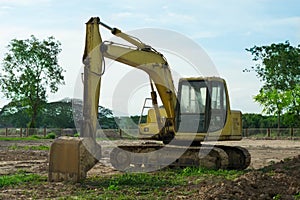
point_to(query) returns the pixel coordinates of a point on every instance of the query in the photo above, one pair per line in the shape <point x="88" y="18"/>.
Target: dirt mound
<point x="277" y="181"/>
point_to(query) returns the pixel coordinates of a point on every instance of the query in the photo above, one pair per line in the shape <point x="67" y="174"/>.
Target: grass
<point x="297" y="196"/>
<point x="141" y="181"/>
<point x="227" y="174"/>
<point x="29" y="138"/>
<point x="19" y="178"/>
<point x="155" y="185"/>
<point x="27" y="147"/>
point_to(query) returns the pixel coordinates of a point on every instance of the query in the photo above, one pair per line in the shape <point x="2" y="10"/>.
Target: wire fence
<point x="57" y="132"/>
<point x="282" y="133"/>
<point x="42" y="132"/>
<point x="272" y="133"/>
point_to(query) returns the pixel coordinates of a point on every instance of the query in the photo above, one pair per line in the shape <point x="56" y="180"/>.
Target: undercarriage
<point x="151" y="157"/>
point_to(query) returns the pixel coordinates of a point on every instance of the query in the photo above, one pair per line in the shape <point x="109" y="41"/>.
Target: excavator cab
<point x="202" y="105"/>
<point x="202" y="112"/>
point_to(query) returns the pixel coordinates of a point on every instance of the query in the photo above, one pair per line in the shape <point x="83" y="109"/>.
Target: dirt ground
<point x="252" y="185"/>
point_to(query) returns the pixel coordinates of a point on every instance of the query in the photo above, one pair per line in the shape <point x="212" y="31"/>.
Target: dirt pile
<point x="277" y="181"/>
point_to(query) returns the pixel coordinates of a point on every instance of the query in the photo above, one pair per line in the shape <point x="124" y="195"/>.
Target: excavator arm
<point x="92" y="61"/>
<point x="140" y="56"/>
<point x="153" y="63"/>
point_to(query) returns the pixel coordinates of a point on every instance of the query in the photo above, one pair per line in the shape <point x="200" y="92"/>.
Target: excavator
<point x="174" y="133"/>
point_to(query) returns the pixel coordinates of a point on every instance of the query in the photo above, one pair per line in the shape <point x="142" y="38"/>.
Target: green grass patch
<point x="50" y="136"/>
<point x="127" y="186"/>
<point x="27" y="147"/>
<point x="227" y="174"/>
<point x="297" y="196"/>
<point x="19" y="178"/>
<point x="142" y="181"/>
<point x="149" y="185"/>
<point x="30" y="138"/>
<point x="77" y="135"/>
<point x="164" y="184"/>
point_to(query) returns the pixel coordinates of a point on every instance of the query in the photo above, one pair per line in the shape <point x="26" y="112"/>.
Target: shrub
<point x="50" y="136"/>
<point x="77" y="135"/>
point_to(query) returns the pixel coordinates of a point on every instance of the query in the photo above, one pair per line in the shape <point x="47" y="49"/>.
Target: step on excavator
<point x="199" y="111"/>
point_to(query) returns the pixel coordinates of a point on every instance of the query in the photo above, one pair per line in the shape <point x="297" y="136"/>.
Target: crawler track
<point x="150" y="157"/>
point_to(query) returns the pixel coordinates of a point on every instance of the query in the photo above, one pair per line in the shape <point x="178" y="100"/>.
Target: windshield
<point x="202" y="106"/>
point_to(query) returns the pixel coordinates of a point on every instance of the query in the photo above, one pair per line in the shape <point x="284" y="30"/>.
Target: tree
<point x="274" y="101"/>
<point x="278" y="67"/>
<point x="104" y="112"/>
<point x="53" y="115"/>
<point x="58" y="114"/>
<point x="106" y="118"/>
<point x="13" y="115"/>
<point x="30" y="69"/>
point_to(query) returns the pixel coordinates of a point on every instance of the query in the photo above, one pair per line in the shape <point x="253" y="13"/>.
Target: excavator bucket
<point x="71" y="158"/>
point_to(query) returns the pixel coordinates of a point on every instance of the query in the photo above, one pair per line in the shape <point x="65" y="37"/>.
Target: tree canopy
<point x="58" y="114"/>
<point x="278" y="67"/>
<point x="30" y="69"/>
<point x="252" y="120"/>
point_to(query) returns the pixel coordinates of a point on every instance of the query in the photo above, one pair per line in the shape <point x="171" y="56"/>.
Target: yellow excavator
<point x="199" y="111"/>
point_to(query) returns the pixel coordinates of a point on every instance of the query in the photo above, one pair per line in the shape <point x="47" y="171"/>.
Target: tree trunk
<point x="278" y="120"/>
<point x="32" y="123"/>
<point x="278" y="124"/>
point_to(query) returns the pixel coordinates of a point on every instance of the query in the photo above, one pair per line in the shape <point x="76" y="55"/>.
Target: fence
<point x="112" y="133"/>
<point x="43" y="132"/>
<point x="25" y="132"/>
<point x="272" y="132"/>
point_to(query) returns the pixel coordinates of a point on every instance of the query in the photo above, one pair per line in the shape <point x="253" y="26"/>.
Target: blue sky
<point x="222" y="28"/>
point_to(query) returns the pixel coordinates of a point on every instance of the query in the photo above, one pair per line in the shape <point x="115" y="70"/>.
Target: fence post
<point x="292" y="132"/>
<point x="120" y="132"/>
<point x="268" y="132"/>
<point x="6" y="132"/>
<point x="45" y="131"/>
<point x="27" y="130"/>
<point x="246" y="132"/>
<point x="21" y="130"/>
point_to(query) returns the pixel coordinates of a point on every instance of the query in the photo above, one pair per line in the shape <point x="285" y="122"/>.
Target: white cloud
<point x="284" y="24"/>
<point x="123" y="14"/>
<point x="23" y="2"/>
<point x="179" y="18"/>
<point x="295" y="21"/>
<point x="203" y="34"/>
<point x="5" y="10"/>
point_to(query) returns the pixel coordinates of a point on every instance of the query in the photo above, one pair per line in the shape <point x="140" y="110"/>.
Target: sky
<point x="222" y="28"/>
